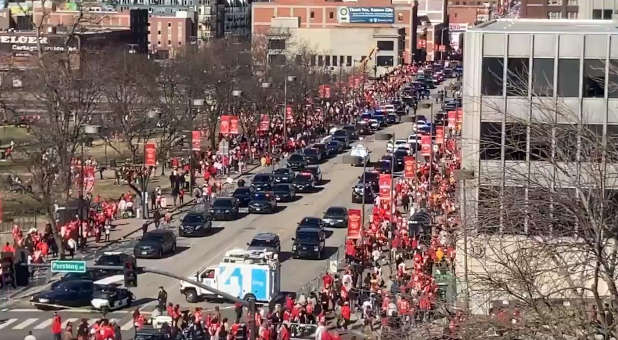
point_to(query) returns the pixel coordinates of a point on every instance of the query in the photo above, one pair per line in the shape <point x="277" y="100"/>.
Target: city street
<point x="195" y="253"/>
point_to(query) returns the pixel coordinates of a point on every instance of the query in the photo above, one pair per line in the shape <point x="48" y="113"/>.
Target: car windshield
<point x="311" y="152"/>
<point x="296" y="158"/>
<point x="281" y="187"/>
<point x="308" y="237"/>
<point x="282" y="171"/>
<point x="261" y="179"/>
<point x="303" y="178"/>
<point x="311" y="220"/>
<point x="340" y="133"/>
<point x="242" y="191"/>
<point x="370" y="176"/>
<point x="153" y="237"/>
<point x="336" y="211"/>
<point x="222" y="203"/>
<point x="262" y="243"/>
<point x="193" y="218"/>
<point x="332" y="145"/>
<point x="109" y="260"/>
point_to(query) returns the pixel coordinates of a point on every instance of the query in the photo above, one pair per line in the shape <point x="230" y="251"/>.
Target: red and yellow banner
<point x="264" y="123"/>
<point x="452" y="118"/>
<point x="354" y="224"/>
<point x="234" y="129"/>
<point x="459" y="115"/>
<point x="196" y="140"/>
<point x="409" y="167"/>
<point x="439" y="134"/>
<point x="150" y="154"/>
<point x="384" y="183"/>
<point x="426" y="145"/>
<point x="224" y="125"/>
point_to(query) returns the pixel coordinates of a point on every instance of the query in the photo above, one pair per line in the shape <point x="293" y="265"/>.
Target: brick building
<point x="169" y="34"/>
<point x="550" y="9"/>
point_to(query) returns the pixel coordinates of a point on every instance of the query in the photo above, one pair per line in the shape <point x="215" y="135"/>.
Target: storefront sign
<point x="150" y="154"/>
<point x="224" y="125"/>
<point x="354" y="223"/>
<point x="385" y="186"/>
<point x="366" y="15"/>
<point x="426" y="145"/>
<point x="234" y="130"/>
<point x="409" y="166"/>
<point x="196" y="140"/>
<point x="439" y="134"/>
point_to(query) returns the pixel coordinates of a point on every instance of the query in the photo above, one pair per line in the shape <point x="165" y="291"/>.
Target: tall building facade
<point x="598" y="9"/>
<point x="550" y="9"/>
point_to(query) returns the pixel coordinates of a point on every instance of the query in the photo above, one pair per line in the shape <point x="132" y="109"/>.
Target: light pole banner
<point x="150" y="154"/>
<point x="385" y="186"/>
<point x="196" y="140"/>
<point x="354" y="224"/>
<point x="409" y="166"/>
<point x="234" y="130"/>
<point x="426" y="145"/>
<point x="224" y="125"/>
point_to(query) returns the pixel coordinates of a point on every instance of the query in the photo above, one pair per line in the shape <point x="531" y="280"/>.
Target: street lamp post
<point x="285" y="108"/>
<point x="463" y="175"/>
<point x="265" y="86"/>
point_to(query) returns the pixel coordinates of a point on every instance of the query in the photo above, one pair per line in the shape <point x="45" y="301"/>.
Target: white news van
<point x="241" y="272"/>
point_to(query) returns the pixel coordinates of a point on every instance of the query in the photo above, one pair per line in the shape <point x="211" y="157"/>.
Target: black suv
<point x="155" y="243"/>
<point x="225" y="208"/>
<point x="263" y="202"/>
<point x="358" y="192"/>
<point x="262" y="182"/>
<point x="312" y="155"/>
<point x="297" y="162"/>
<point x="351" y="129"/>
<point x="268" y="242"/>
<point x="336" y="217"/>
<point x="308" y="243"/>
<point x="316" y="172"/>
<point x="195" y="224"/>
<point x="283" y="175"/>
<point x="112" y="259"/>
<point x="304" y="182"/>
<point x="243" y="195"/>
<point x="284" y="192"/>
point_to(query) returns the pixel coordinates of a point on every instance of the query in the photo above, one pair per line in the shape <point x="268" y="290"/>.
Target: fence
<point x="338" y="258"/>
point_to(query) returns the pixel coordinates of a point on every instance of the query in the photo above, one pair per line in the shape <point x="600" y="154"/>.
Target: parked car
<point x="111" y="297"/>
<point x="336" y="217"/>
<point x="309" y="242"/>
<point x="359" y="190"/>
<point x="316" y="172"/>
<point x="321" y="147"/>
<point x="262" y="182"/>
<point x="304" y="182"/>
<point x="90" y="275"/>
<point x="263" y="202"/>
<point x="265" y="242"/>
<point x="351" y="129"/>
<point x="334" y="147"/>
<point x="74" y="293"/>
<point x="225" y="208"/>
<point x="284" y="192"/>
<point x="243" y="195"/>
<point x="195" y="224"/>
<point x="112" y="259"/>
<point x="156" y="243"/>
<point x="297" y="162"/>
<point x="311" y="222"/>
<point x="283" y="175"/>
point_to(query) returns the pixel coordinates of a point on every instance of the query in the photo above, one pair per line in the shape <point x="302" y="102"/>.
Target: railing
<point x="314" y="284"/>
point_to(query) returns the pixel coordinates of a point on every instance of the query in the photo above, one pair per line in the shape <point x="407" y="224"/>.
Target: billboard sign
<point x="366" y="15"/>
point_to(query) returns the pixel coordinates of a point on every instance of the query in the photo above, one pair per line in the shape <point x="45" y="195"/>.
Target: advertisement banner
<point x="442" y="48"/>
<point x="366" y="15"/>
<point x="409" y="167"/>
<point x="234" y="129"/>
<point x="224" y="125"/>
<point x="264" y="123"/>
<point x="385" y="185"/>
<point x="459" y="115"/>
<point x="354" y="223"/>
<point x="150" y="154"/>
<point x="196" y="140"/>
<point x="439" y="134"/>
<point x="452" y="118"/>
<point x="289" y="114"/>
<point x="426" y="145"/>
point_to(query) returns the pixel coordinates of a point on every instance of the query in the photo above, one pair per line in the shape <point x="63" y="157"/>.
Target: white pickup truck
<point x="361" y="153"/>
<point x="241" y="272"/>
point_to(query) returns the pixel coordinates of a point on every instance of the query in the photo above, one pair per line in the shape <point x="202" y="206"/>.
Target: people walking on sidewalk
<point x="56" y="327"/>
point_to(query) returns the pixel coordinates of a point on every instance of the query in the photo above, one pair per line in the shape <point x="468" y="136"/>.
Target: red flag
<point x="196" y="140"/>
<point x="150" y="154"/>
<point x="234" y="125"/>
<point x="385" y="185"/>
<point x="452" y="118"/>
<point x="288" y="113"/>
<point x="426" y="145"/>
<point x="264" y="123"/>
<point x="224" y="125"/>
<point x="409" y="166"/>
<point x="354" y="223"/>
<point x="439" y="134"/>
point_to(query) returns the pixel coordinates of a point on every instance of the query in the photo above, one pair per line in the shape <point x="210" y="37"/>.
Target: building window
<point x="348" y="61"/>
<point x="312" y="14"/>
<point x="515" y="136"/>
<point x="565" y="149"/>
<point x="331" y="15"/>
<point x="514" y="210"/>
<point x="572" y="3"/>
<point x="385" y="60"/>
<point x="591" y="143"/>
<point x="593" y="82"/>
<point x="612" y="91"/>
<point x="169" y="42"/>
<point x="334" y="60"/>
<point x="386" y="45"/>
<point x="517" y="77"/>
<point x="490" y="140"/>
<point x="276" y="44"/>
<point x="399" y="16"/>
<point x="313" y="59"/>
<point x="489" y="210"/>
<point x="492" y="76"/>
<point x="541" y="137"/>
<point x="612" y="142"/>
<point x="562" y="213"/>
<point x="554" y="15"/>
<point x="605" y="14"/>
<point x="572" y="15"/>
<point x="159" y="32"/>
<point x="327" y="60"/>
<point x="538" y="209"/>
<point x="169" y="24"/>
<point x="543" y="77"/>
<point x="341" y="60"/>
<point x="320" y="60"/>
<point x="568" y="78"/>
<point x="554" y="2"/>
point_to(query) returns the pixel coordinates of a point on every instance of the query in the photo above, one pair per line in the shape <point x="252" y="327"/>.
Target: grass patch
<point x="13" y="133"/>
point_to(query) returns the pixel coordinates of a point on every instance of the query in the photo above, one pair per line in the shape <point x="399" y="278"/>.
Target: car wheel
<point x="160" y="253"/>
<point x="191" y="296"/>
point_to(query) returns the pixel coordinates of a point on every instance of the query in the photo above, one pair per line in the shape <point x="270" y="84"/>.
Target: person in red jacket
<point x="284" y="332"/>
<point x="56" y="326"/>
<point x="345" y="315"/>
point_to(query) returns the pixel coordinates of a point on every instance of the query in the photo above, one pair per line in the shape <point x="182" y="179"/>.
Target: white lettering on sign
<point x="23" y="39"/>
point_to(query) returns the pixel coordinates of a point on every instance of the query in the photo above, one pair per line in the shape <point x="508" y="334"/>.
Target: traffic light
<point x="130" y="273"/>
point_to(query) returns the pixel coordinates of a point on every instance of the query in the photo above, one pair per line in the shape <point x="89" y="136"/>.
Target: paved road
<point x="195" y="253"/>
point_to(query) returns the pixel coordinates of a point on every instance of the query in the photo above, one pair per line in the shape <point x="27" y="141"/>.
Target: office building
<point x="550" y="9"/>
<point x="597" y="9"/>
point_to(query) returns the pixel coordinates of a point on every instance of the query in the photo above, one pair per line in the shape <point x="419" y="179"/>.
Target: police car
<point x="109" y="295"/>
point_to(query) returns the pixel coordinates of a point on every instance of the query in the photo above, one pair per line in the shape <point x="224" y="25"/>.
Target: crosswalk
<point x="32" y="323"/>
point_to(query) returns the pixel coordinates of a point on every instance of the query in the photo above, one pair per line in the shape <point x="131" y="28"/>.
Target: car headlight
<point x="227" y="210"/>
<point x="43" y="300"/>
<point x="294" y="247"/>
<point x="316" y="248"/>
<point x="199" y="226"/>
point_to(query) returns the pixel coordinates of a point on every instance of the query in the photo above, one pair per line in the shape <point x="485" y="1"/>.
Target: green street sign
<point x="68" y="266"/>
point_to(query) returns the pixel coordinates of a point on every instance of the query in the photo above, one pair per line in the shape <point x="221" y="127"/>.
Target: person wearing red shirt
<point x="284" y="332"/>
<point x="8" y="248"/>
<point x="327" y="280"/>
<point x="289" y="302"/>
<point x="56" y="326"/>
<point x="345" y="314"/>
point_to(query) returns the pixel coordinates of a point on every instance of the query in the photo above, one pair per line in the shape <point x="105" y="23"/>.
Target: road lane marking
<point x="7" y="323"/>
<point x="26" y="323"/>
<point x="127" y="326"/>
<point x="44" y="324"/>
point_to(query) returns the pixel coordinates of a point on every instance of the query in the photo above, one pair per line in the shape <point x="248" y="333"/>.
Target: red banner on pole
<point x="196" y="140"/>
<point x="385" y="185"/>
<point x="452" y="118"/>
<point x="224" y="125"/>
<point x="459" y="115"/>
<point x="150" y="154"/>
<point x="264" y="123"/>
<point x="234" y="130"/>
<point x="288" y="113"/>
<point x="409" y="166"/>
<point x="439" y="134"/>
<point x="327" y="91"/>
<point x="426" y="145"/>
<point x="354" y="223"/>
<point x="321" y="91"/>
<point x="357" y="81"/>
